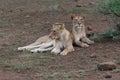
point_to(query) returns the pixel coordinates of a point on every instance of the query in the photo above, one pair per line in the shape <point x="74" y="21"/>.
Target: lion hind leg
<point x="36" y="45"/>
<point x="29" y="47"/>
<point x="41" y="50"/>
<point x="44" y="47"/>
<point x="25" y="48"/>
<point x="47" y="44"/>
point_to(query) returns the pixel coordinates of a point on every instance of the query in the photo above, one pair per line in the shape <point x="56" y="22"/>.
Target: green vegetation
<point x="53" y="75"/>
<point x="109" y="6"/>
<point x="117" y="61"/>
<point x="81" y="73"/>
<point x="2" y="35"/>
<point x="66" y="75"/>
<point x="116" y="71"/>
<point x="15" y="65"/>
<point x="4" y="23"/>
<point x="113" y="34"/>
<point x="22" y="61"/>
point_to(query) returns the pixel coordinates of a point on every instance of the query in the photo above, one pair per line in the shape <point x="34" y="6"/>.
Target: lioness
<point x="79" y="33"/>
<point x="63" y="39"/>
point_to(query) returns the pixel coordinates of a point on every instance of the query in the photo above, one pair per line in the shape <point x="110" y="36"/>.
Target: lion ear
<point x="83" y="17"/>
<point x="72" y="16"/>
<point x="62" y="26"/>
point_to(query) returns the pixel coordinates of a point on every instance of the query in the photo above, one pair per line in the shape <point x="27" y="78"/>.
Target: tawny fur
<point x="79" y="33"/>
<point x="44" y="43"/>
<point x="63" y="39"/>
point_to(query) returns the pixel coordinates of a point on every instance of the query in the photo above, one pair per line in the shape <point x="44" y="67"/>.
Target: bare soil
<point x="24" y="21"/>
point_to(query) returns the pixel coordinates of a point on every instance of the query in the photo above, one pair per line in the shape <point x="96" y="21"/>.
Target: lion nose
<point x="50" y="36"/>
<point x="79" y="23"/>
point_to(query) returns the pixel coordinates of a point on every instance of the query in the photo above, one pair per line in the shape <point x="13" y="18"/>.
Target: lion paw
<point x="63" y="53"/>
<point x="84" y="45"/>
<point x="21" y="49"/>
<point x="91" y="42"/>
<point x="34" y="51"/>
<point x="54" y="53"/>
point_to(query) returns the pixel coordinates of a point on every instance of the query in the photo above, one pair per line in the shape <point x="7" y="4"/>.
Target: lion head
<point x="77" y="20"/>
<point x="57" y="30"/>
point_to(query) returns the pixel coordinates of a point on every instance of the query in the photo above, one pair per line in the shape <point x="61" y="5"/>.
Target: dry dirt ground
<point x="23" y="21"/>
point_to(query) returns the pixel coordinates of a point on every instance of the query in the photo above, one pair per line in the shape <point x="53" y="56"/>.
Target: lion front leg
<point x="87" y="40"/>
<point x="69" y="48"/>
<point x="66" y="51"/>
<point x="56" y="51"/>
<point x="79" y="43"/>
<point x="57" y="48"/>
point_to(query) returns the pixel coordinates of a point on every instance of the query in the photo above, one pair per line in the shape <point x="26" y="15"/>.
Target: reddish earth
<point x="22" y="22"/>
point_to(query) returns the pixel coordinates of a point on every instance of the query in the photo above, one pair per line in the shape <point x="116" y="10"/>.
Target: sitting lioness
<point x="63" y="39"/>
<point x="79" y="33"/>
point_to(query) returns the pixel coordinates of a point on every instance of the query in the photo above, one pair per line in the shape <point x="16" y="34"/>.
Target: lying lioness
<point x="59" y="40"/>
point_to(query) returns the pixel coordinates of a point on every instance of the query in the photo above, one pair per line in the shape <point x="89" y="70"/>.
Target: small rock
<point x="78" y="5"/>
<point x="27" y="16"/>
<point x="21" y="10"/>
<point x="108" y="75"/>
<point x="106" y="66"/>
<point x="93" y="55"/>
<point x="91" y="3"/>
<point x="11" y="11"/>
<point x="85" y="5"/>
